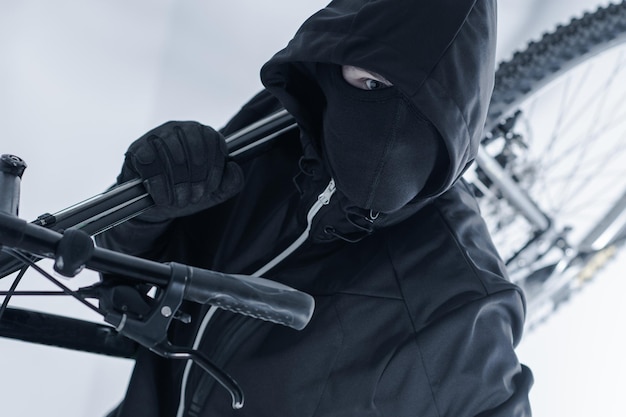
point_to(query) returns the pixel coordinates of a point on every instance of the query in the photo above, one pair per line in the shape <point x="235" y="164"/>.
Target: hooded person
<point x="363" y="207"/>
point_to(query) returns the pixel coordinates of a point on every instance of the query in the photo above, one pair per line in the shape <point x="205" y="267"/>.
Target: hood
<point x="439" y="53"/>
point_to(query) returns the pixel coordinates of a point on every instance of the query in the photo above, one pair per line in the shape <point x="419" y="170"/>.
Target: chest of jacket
<point x="372" y="296"/>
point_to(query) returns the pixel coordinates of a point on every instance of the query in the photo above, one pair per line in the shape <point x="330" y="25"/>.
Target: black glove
<point x="184" y="167"/>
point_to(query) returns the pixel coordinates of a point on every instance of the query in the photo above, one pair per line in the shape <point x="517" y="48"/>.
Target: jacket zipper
<point x="322" y="200"/>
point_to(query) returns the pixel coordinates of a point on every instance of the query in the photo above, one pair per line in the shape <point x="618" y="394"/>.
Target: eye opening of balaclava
<point x="381" y="151"/>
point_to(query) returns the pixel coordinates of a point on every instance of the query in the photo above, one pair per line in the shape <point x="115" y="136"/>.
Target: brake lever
<point x="151" y="332"/>
<point x="168" y="351"/>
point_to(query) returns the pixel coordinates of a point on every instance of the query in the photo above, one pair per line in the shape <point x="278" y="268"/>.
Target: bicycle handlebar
<point x="256" y="297"/>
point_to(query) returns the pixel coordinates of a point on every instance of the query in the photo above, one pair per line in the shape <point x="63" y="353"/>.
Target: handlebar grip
<point x="256" y="297"/>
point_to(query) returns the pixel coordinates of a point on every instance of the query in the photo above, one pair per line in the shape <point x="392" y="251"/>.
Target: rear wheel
<point x="557" y="125"/>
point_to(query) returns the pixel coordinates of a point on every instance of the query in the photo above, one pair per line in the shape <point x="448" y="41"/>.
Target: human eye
<point x="364" y="79"/>
<point x="372" y="84"/>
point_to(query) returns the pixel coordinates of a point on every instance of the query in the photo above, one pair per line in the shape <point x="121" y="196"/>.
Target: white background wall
<point x="80" y="80"/>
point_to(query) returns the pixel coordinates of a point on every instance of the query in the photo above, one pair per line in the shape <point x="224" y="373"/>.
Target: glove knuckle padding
<point x="232" y="181"/>
<point x="184" y="166"/>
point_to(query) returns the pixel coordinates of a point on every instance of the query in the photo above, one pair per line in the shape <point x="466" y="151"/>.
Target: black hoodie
<point x="439" y="53"/>
<point x="414" y="314"/>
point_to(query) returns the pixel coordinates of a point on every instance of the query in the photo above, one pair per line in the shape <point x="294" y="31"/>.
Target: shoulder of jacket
<point x="443" y="257"/>
<point x="259" y="106"/>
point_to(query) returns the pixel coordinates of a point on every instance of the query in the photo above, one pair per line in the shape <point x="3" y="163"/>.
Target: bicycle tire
<point x="553" y="55"/>
<point x="526" y="84"/>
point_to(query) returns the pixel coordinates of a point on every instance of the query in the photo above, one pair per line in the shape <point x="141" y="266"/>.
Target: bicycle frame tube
<point x="512" y="192"/>
<point x="612" y="226"/>
<point x="608" y="229"/>
<point x="264" y="131"/>
<point x="123" y="202"/>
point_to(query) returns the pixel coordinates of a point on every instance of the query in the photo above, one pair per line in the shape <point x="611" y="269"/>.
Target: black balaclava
<point x="440" y="57"/>
<point x="380" y="149"/>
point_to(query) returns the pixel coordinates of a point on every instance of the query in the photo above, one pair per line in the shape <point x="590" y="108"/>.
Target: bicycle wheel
<point x="557" y="126"/>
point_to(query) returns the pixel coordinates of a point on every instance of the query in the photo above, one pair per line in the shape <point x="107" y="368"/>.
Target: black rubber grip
<point x="256" y="297"/>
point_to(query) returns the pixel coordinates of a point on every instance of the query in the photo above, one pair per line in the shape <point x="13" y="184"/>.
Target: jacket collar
<point x="339" y="220"/>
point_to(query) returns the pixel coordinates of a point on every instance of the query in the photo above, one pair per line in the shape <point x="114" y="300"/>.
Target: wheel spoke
<point x="570" y="90"/>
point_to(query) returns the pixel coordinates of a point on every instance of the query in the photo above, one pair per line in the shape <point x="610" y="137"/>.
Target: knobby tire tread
<point x="556" y="52"/>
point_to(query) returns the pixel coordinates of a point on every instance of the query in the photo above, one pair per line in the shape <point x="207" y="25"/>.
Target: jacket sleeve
<point x="469" y="362"/>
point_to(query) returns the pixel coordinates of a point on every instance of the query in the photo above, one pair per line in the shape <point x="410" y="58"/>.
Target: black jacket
<point x="414" y="315"/>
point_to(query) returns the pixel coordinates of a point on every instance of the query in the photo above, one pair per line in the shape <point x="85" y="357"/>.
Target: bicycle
<point x="552" y="257"/>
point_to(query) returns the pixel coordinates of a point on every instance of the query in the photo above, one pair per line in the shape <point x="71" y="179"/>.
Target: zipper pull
<point x="324" y="198"/>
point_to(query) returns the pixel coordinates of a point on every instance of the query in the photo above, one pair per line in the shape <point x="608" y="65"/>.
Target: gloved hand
<point x="184" y="167"/>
